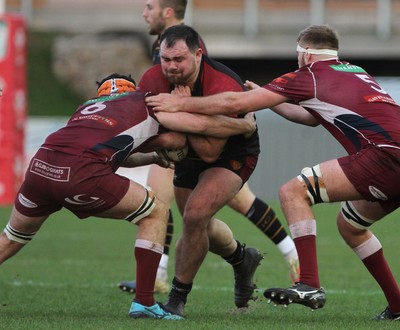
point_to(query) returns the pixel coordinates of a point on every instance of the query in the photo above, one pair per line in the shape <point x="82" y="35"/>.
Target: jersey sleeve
<point x="298" y="85"/>
<point x="154" y="81"/>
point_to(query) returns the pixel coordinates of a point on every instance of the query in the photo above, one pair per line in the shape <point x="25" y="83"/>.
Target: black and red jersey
<point x="213" y="78"/>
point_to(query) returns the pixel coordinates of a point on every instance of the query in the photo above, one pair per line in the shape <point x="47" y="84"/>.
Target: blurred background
<point x="69" y="44"/>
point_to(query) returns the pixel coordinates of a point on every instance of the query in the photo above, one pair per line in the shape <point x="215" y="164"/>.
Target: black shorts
<point x="188" y="170"/>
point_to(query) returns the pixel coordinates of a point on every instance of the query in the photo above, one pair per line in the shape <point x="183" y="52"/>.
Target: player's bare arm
<point x="167" y="140"/>
<point x="227" y="103"/>
<point x="142" y="159"/>
<point x="289" y="111"/>
<point x="149" y="152"/>
<point x="296" y="114"/>
<point x="207" y="148"/>
<point x="218" y="126"/>
<point x="251" y="85"/>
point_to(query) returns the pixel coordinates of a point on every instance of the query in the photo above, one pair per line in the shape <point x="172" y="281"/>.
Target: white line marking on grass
<point x="31" y="283"/>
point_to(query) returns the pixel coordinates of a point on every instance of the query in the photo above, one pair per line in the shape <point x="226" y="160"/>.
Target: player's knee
<point x="342" y="225"/>
<point x="160" y="211"/>
<point x="290" y="191"/>
<point x="349" y="231"/>
<point x="313" y="182"/>
<point x="350" y="218"/>
<point x="150" y="205"/>
<point x="285" y="191"/>
<point x="195" y="221"/>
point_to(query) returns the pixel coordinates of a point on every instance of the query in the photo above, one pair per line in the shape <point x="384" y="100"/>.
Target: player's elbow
<point x="202" y="127"/>
<point x="314" y="123"/>
<point x="311" y="121"/>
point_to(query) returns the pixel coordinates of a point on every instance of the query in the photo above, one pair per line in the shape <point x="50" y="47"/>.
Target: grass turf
<point x="66" y="278"/>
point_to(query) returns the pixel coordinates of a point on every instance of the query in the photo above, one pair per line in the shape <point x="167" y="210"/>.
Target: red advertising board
<point x="13" y="104"/>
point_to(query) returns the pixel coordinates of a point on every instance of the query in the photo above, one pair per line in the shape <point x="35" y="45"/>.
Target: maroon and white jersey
<point x="346" y="100"/>
<point x="108" y="128"/>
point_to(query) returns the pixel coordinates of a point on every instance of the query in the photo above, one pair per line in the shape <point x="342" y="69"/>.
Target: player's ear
<point x="168" y="12"/>
<point x="307" y="57"/>
<point x="198" y="53"/>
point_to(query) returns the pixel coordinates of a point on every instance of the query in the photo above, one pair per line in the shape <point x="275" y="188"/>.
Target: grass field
<point x="66" y="279"/>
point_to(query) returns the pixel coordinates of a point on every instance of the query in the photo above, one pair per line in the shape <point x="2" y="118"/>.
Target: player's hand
<point x="164" y="102"/>
<point x="251" y="120"/>
<point x="161" y="159"/>
<point x="181" y="90"/>
<point x="251" y="85"/>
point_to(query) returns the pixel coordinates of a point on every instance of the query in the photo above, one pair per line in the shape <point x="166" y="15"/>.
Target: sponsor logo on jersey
<point x="103" y="120"/>
<point x="379" y="98"/>
<point x="49" y="171"/>
<point x="77" y="200"/>
<point x="285" y="78"/>
<point x="346" y="68"/>
<point x="377" y="193"/>
<point x="26" y="202"/>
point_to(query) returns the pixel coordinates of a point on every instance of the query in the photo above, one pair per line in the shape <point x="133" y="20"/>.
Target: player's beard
<point x="184" y="78"/>
<point x="158" y="27"/>
<point x="176" y="79"/>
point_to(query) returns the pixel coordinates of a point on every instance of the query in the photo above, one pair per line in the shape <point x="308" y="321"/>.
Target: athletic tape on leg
<point x="145" y="209"/>
<point x="353" y="217"/>
<point x="17" y="236"/>
<point x="316" y="190"/>
<point x="369" y="247"/>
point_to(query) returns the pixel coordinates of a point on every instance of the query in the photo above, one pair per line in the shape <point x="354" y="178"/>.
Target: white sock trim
<point x="162" y="271"/>
<point x="164" y="261"/>
<point x="144" y="244"/>
<point x="303" y="228"/>
<point x="369" y="247"/>
<point x="286" y="247"/>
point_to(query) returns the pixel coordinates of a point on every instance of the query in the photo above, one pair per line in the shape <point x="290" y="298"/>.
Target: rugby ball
<point x="177" y="154"/>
